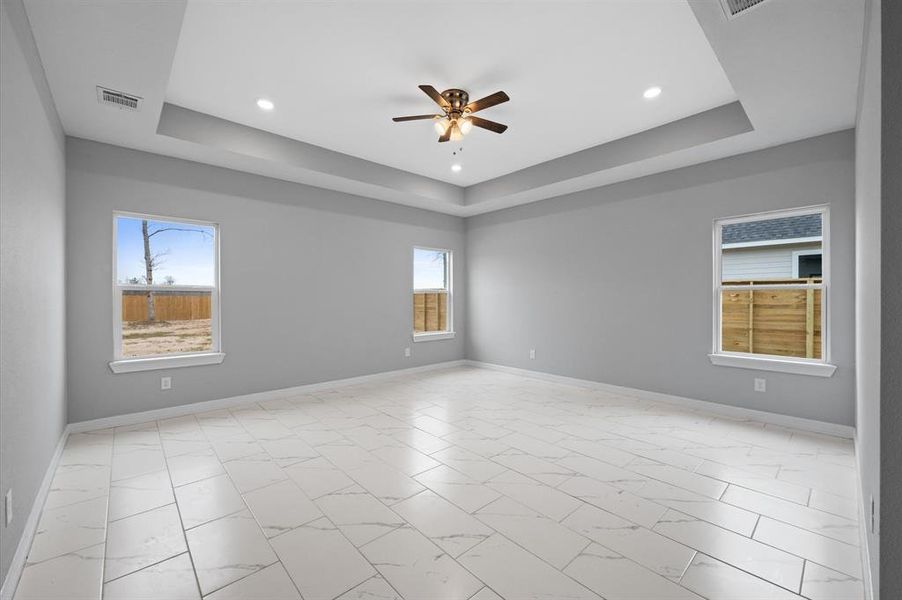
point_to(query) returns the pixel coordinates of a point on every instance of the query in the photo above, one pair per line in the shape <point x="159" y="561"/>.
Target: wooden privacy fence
<point x="169" y="306"/>
<point x="783" y="322"/>
<point x="430" y="311"/>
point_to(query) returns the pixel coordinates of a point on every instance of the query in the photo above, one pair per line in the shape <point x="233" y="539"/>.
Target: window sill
<point x="760" y="363"/>
<point x="133" y="365"/>
<point x="432" y="337"/>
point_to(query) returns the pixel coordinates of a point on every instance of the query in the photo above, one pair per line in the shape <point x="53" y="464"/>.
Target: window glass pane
<point x="180" y="322"/>
<point x="810" y="266"/>
<point x="781" y="322"/>
<point x="164" y="252"/>
<point x="430" y="311"/>
<point x="429" y="269"/>
<point x="765" y="250"/>
<point x="431" y="295"/>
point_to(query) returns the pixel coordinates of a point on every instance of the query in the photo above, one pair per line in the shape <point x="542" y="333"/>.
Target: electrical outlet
<point x="532" y="354"/>
<point x="8" y="507"/>
<point x="407" y="352"/>
<point x="760" y="384"/>
<point x="165" y="383"/>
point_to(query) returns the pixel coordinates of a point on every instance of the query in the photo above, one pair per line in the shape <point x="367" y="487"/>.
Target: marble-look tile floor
<point x="452" y="484"/>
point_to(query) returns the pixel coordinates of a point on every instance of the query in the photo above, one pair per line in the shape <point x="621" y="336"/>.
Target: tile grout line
<point x="337" y="528"/>
<point x="758" y="577"/>
<point x="802" y="579"/>
<point x="178" y="509"/>
<point x="753" y="540"/>
<point x="246" y="507"/>
<point x="106" y="524"/>
<point x="755" y="528"/>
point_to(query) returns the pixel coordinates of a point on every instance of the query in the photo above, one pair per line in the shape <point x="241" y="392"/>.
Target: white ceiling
<point x="338" y="72"/>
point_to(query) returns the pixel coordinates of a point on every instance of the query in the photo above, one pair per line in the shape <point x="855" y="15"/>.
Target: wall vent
<point x="734" y="8"/>
<point x="119" y="100"/>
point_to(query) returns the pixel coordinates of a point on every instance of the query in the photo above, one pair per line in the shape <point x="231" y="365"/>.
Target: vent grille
<point x="119" y="100"/>
<point x="734" y="7"/>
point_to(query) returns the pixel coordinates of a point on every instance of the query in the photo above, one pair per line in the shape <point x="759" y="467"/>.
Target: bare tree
<point x="149" y="261"/>
<point x="152" y="261"/>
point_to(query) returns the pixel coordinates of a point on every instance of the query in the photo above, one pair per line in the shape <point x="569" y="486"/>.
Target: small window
<point x="165" y="287"/>
<point x="771" y="285"/>
<point x="807" y="264"/>
<point x="431" y="293"/>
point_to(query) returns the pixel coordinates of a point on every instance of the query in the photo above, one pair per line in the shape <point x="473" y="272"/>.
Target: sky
<point x="428" y="269"/>
<point x="189" y="254"/>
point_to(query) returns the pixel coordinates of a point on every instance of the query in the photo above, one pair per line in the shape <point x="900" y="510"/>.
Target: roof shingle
<point x="784" y="228"/>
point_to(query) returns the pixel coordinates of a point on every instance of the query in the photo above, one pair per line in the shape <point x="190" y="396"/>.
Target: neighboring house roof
<point x="786" y="228"/>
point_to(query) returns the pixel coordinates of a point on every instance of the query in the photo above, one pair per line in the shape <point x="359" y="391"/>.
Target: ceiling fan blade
<point x="488" y="101"/>
<point x="415" y="118"/>
<point x="433" y="93"/>
<point x="486" y="124"/>
<point x="447" y="135"/>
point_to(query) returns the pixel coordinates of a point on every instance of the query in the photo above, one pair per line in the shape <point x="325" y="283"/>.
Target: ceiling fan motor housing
<point x="458" y="99"/>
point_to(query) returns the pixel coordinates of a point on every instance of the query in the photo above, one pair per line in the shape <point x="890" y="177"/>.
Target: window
<point x="771" y="289"/>
<point x="432" y="314"/>
<point x="807" y="263"/>
<point x="165" y="293"/>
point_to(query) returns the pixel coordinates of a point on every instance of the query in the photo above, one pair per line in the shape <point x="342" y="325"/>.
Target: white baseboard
<point x="17" y="565"/>
<point x="198" y="407"/>
<point x="735" y="412"/>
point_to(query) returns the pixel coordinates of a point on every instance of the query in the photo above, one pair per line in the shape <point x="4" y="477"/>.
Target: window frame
<point x="215" y="355"/>
<point x="430" y="336"/>
<point x="820" y="367"/>
<point x="798" y="253"/>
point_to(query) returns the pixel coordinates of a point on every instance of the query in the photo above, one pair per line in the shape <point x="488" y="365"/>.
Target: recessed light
<point x="652" y="92"/>
<point x="456" y="168"/>
<point x="265" y="104"/>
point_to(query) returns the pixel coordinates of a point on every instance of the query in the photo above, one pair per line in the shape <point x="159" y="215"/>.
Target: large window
<point x="165" y="293"/>
<point x="771" y="285"/>
<point x="432" y="314"/>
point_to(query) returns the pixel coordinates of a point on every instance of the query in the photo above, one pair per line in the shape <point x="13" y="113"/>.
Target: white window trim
<point x="121" y="364"/>
<point x="786" y="242"/>
<point x="795" y="259"/>
<point x="175" y="361"/>
<point x="780" y="364"/>
<point x="819" y="367"/>
<point x="433" y="336"/>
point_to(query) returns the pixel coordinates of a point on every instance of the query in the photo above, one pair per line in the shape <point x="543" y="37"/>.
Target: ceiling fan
<point x="458" y="119"/>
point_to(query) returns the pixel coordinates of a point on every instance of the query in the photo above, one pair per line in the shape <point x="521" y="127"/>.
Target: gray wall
<point x="316" y="285"/>
<point x="867" y="280"/>
<point x="614" y="284"/>
<point x="891" y="309"/>
<point x="32" y="275"/>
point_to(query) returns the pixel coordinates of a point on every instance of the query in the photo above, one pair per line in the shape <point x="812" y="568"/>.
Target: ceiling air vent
<point x="734" y="8"/>
<point x="119" y="100"/>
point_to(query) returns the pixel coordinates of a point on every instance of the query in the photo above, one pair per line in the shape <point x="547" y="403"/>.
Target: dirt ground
<point x="141" y="338"/>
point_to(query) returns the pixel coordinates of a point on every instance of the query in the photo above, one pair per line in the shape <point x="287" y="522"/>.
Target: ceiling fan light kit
<point x="457" y="120"/>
